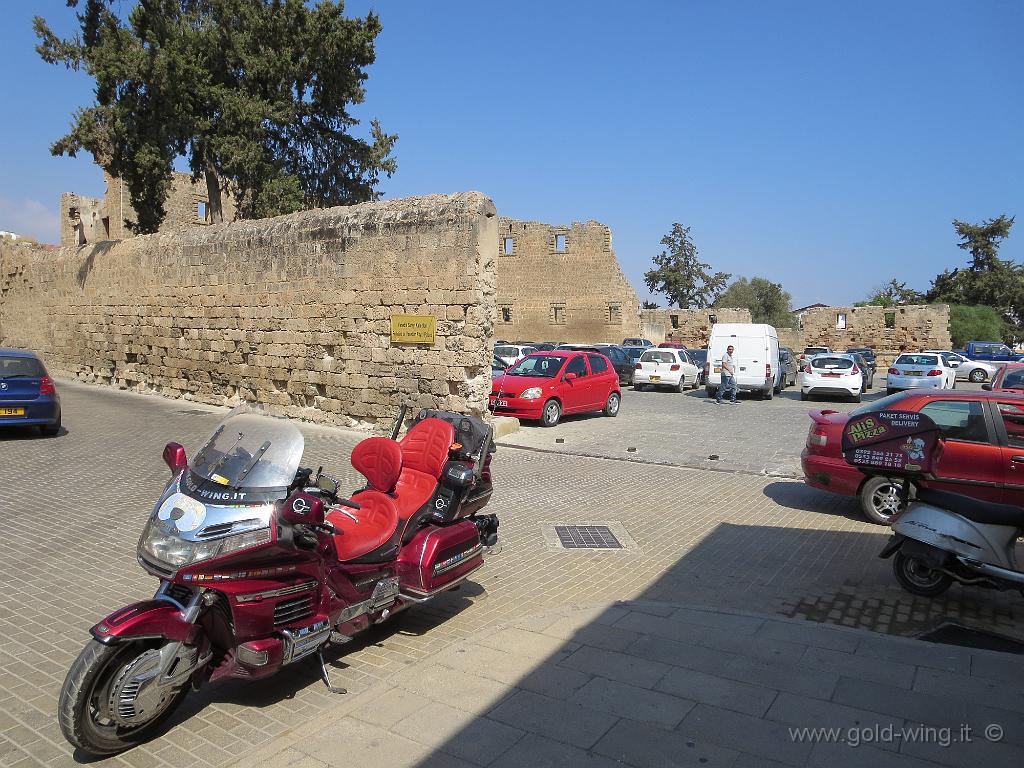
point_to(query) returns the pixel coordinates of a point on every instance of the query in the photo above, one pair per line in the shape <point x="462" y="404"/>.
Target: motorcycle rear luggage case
<point x="437" y="558"/>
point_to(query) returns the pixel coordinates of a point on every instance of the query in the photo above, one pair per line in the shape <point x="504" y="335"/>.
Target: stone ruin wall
<point x="884" y="329"/>
<point x="86" y="220"/>
<point x="691" y="327"/>
<point x="562" y="284"/>
<point x="293" y="311"/>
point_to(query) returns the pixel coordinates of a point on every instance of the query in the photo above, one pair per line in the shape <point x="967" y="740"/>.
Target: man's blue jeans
<point x="728" y="384"/>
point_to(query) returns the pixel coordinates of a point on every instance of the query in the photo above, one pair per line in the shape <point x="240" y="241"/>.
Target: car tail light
<point x="674" y="367"/>
<point x="638" y="367"/>
<point x="894" y="371"/>
<point x="807" y="369"/>
<point x="707" y="368"/>
<point x="935" y="372"/>
<point x="46" y="386"/>
<point x="817" y="437"/>
<point x="855" y="370"/>
<point x="767" y="370"/>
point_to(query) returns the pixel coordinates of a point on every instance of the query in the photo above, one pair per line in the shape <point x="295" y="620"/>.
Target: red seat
<point x="363" y="530"/>
<point x="424" y="453"/>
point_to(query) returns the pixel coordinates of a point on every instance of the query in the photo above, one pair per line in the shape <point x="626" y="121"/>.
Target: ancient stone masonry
<point x="293" y="311"/>
<point x="884" y="329"/>
<point x="691" y="327"/>
<point x="558" y="283"/>
<point x="92" y="219"/>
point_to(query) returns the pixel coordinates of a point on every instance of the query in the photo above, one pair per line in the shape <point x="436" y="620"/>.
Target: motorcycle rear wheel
<point x="82" y="708"/>
<point x="917" y="578"/>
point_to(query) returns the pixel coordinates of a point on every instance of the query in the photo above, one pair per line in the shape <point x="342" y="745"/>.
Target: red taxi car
<point x="982" y="451"/>
<point x="545" y="385"/>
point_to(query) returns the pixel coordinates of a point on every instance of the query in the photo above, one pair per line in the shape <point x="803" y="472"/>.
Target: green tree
<point x="891" y="294"/>
<point x="650" y="305"/>
<point x="987" y="280"/>
<point x="254" y="94"/>
<point x="767" y="301"/>
<point x="978" y="323"/>
<point x="681" y="276"/>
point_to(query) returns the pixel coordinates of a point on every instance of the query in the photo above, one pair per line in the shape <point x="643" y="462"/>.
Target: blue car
<point x="28" y="396"/>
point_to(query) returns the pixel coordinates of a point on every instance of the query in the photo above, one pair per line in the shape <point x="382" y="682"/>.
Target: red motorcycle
<point x="261" y="563"/>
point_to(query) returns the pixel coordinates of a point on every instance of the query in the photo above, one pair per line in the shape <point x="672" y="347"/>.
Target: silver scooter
<point x="940" y="537"/>
<point x="944" y="537"/>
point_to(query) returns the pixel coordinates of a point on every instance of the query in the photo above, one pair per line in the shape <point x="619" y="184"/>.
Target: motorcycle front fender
<point x="145" y="619"/>
<point x="894" y="543"/>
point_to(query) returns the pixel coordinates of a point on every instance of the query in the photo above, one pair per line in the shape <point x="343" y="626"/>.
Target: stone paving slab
<point x="657" y="721"/>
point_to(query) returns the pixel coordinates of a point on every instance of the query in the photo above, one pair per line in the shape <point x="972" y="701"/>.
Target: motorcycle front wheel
<point x="110" y="701"/>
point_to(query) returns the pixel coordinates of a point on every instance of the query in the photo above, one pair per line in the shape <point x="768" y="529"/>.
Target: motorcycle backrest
<point x="425" y="448"/>
<point x="379" y="460"/>
<point x="892" y="443"/>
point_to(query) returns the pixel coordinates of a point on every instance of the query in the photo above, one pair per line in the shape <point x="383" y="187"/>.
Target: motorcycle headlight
<point x="177" y="552"/>
<point x="531" y="394"/>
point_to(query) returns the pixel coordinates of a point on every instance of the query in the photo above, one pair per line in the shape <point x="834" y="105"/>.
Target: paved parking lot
<point x="72" y="508"/>
<point x="688" y="429"/>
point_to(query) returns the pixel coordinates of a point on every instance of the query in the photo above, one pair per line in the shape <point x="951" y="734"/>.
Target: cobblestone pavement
<point x="655" y="684"/>
<point x="686" y="429"/>
<point x="72" y="508"/>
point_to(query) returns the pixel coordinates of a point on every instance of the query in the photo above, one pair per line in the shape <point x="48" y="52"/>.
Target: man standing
<point x="728" y="376"/>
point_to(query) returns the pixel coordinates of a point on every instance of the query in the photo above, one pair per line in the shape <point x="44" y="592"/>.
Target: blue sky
<point x="824" y="145"/>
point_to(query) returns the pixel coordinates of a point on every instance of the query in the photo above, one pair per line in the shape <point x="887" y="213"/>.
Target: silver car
<point x="967" y="369"/>
<point x="919" y="370"/>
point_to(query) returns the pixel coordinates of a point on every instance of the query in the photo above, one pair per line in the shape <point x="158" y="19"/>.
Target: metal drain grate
<point x="587" y="537"/>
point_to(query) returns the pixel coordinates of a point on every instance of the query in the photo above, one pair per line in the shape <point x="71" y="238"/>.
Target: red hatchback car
<point x="982" y="450"/>
<point x="545" y="385"/>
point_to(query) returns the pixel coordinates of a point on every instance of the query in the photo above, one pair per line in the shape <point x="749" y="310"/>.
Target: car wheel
<point x="681" y="385"/>
<point x="768" y="393"/>
<point x="51" y="430"/>
<point x="804" y="395"/>
<point x="889" y="391"/>
<point x="856" y="398"/>
<point x="611" y="408"/>
<point x="880" y="499"/>
<point x="551" y="414"/>
<point x="978" y="375"/>
<point x="917" y="578"/>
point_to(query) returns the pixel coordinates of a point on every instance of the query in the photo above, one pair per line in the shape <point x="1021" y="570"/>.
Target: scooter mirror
<point x="174" y="457"/>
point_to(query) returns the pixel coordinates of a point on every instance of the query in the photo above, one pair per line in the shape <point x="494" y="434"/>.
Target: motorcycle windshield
<point x="250" y="450"/>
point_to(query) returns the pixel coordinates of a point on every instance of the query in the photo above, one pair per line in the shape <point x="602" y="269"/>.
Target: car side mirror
<point x="571" y="377"/>
<point x="954" y="364"/>
<point x="174" y="457"/>
<point x="987" y="386"/>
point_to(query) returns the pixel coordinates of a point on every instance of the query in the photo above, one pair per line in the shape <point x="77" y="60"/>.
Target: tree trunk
<point x="214" y="208"/>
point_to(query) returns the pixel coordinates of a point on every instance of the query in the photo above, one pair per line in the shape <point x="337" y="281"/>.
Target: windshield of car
<point x="832" y="363"/>
<point x="15" y="367"/>
<point x="506" y="351"/>
<point x="1013" y="379"/>
<point x="698" y="356"/>
<point x="860" y="350"/>
<point x="657" y="357"/>
<point x="815" y="350"/>
<point x="545" y="366"/>
<point x="917" y="360"/>
<point x="250" y="450"/>
<point x="633" y="353"/>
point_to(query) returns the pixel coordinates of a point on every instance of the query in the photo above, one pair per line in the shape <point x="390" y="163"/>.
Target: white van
<point x="756" y="353"/>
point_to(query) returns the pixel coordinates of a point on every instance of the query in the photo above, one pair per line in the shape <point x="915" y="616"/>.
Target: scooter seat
<point x="985" y="512"/>
<point x="361" y="531"/>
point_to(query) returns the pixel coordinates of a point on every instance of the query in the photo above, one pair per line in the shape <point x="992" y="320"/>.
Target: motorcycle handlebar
<point x="350" y="503"/>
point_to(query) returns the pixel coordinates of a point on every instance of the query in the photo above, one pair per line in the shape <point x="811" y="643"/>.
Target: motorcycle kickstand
<point x="325" y="675"/>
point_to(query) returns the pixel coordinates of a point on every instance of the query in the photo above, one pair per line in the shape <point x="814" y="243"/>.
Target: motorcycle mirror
<point x="328" y="484"/>
<point x="174" y="457"/>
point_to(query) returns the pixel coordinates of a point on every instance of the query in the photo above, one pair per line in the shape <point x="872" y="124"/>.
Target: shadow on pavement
<point x="799" y="495"/>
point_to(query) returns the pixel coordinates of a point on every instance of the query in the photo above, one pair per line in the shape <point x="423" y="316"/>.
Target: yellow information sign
<point x="413" y="329"/>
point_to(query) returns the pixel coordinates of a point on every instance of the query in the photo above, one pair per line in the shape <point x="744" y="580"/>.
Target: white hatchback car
<point x="665" y="367"/>
<point x="975" y="371"/>
<point x="511" y="353"/>
<point x="833" y="374"/>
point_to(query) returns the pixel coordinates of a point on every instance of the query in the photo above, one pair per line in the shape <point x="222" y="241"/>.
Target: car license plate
<point x="501" y="403"/>
<point x="914" y="373"/>
<point x="831" y="375"/>
<point x="655" y="378"/>
<point x="12" y="411"/>
<point x="717" y="369"/>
